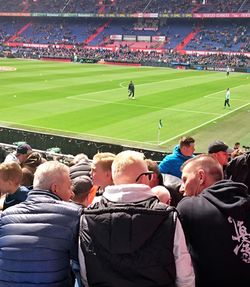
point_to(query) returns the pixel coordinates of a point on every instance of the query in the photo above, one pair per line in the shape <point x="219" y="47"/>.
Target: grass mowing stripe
<point x="203" y="124"/>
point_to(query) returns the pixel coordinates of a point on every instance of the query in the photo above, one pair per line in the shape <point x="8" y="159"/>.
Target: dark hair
<point x="153" y="166"/>
<point x="186" y="141"/>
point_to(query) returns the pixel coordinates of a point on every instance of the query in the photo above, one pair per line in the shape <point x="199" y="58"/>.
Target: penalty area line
<point x="201" y="125"/>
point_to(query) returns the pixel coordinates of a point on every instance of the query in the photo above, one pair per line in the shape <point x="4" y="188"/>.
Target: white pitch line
<point x="122" y="85"/>
<point x="145" y="106"/>
<point x="92" y="137"/>
<point x="222" y="91"/>
<point x="208" y="122"/>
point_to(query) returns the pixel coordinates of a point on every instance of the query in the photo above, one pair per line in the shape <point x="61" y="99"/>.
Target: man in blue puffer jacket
<point x="172" y="163"/>
<point x="38" y="237"/>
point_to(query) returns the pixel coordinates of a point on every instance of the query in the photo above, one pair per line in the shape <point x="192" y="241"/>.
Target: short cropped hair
<point x="48" y="173"/>
<point x="105" y="159"/>
<point x="209" y="164"/>
<point x="11" y="171"/>
<point x="125" y="160"/>
<point x="186" y="141"/>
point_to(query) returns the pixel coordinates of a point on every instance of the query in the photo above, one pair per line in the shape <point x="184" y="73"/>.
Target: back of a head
<point x="81" y="187"/>
<point x="206" y="162"/>
<point x="33" y="161"/>
<point x="127" y="165"/>
<point x="238" y="169"/>
<point x="28" y="177"/>
<point x="48" y="173"/>
<point x="79" y="158"/>
<point x="162" y="194"/>
<point x="11" y="171"/>
<point x="10" y="177"/>
<point x="82" y="168"/>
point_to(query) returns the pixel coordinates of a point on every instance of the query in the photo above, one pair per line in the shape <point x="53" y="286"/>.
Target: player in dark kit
<point x="131" y="90"/>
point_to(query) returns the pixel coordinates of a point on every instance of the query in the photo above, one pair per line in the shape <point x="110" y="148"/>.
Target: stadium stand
<point x="221" y="36"/>
<point x="221" y="6"/>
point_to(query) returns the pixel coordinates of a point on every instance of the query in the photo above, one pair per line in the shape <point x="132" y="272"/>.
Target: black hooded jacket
<point x="217" y="227"/>
<point x="129" y="245"/>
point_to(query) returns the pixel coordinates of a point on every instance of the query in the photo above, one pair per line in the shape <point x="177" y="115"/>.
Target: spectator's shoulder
<point x="186" y="203"/>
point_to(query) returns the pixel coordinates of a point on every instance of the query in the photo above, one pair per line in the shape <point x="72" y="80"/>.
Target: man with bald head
<point x="129" y="238"/>
<point x="216" y="222"/>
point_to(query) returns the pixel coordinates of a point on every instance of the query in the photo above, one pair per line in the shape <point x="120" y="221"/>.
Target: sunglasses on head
<point x="148" y="173"/>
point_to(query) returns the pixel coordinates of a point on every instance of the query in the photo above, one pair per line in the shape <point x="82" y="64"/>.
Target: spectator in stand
<point x="172" y="163"/>
<point x="101" y="170"/>
<point x="162" y="194"/>
<point x="20" y="155"/>
<point x="169" y="182"/>
<point x="82" y="168"/>
<point x="129" y="238"/>
<point x="81" y="187"/>
<point x="220" y="151"/>
<point x="238" y="169"/>
<point x="39" y="236"/>
<point x="29" y="167"/>
<point x="236" y="145"/>
<point x="216" y="222"/>
<point x="10" y="180"/>
<point x="79" y="158"/>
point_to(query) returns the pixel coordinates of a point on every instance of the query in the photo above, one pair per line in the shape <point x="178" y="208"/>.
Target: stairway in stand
<point x="12" y="39"/>
<point x="186" y="40"/>
<point x="97" y="32"/>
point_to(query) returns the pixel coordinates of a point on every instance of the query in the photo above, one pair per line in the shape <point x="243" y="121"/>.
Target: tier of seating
<point x="53" y="31"/>
<point x="129" y="6"/>
<point x="222" y="36"/>
<point x="226" y="36"/>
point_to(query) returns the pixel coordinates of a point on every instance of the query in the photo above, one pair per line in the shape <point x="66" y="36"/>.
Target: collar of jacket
<point x="44" y="192"/>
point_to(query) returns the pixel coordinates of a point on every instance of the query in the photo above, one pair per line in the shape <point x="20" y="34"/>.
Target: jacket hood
<point x="178" y="153"/>
<point x="230" y="197"/>
<point x="124" y="229"/>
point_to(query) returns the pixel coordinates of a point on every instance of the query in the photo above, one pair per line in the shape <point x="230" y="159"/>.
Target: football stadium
<point x="124" y="143"/>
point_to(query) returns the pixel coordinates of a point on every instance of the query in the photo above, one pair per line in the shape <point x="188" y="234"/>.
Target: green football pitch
<point x="90" y="101"/>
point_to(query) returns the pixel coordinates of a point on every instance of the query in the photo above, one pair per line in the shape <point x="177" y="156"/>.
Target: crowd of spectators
<point x="125" y="55"/>
<point x="221" y="6"/>
<point x="87" y="6"/>
<point x="221" y="37"/>
<point x="51" y="31"/>
<point x="120" y="207"/>
<point x="119" y="6"/>
<point x="218" y="36"/>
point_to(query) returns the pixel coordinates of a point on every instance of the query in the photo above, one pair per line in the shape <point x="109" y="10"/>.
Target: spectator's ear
<point x="202" y="176"/>
<point x="53" y="188"/>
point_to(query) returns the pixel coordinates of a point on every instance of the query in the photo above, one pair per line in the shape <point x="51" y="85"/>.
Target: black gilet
<point x="129" y="245"/>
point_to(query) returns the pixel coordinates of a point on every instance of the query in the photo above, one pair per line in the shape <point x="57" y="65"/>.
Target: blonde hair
<point x="126" y="165"/>
<point x="105" y="159"/>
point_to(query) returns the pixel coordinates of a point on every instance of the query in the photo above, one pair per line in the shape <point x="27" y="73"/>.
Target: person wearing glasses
<point x="129" y="238"/>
